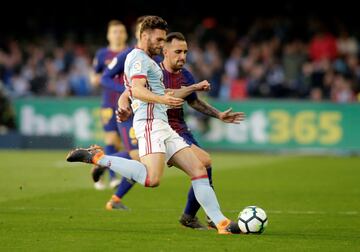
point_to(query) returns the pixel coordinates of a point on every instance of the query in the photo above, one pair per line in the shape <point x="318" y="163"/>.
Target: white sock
<point x="130" y="169"/>
<point x="205" y="195"/>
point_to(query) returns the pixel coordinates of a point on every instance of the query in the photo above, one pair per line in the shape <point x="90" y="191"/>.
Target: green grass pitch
<point x="313" y="204"/>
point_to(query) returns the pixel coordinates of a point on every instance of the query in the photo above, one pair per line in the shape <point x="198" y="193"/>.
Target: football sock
<point x="109" y="150"/>
<point x="125" y="185"/>
<point x="205" y="195"/>
<point x="192" y="205"/>
<point x="130" y="169"/>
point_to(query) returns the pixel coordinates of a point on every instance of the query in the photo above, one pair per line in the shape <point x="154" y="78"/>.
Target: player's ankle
<point x="115" y="198"/>
<point x="96" y="158"/>
<point x="223" y="223"/>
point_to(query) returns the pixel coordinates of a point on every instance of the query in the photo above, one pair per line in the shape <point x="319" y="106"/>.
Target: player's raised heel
<point x="228" y="227"/>
<point x="115" y="204"/>
<point x="191" y="222"/>
<point x="89" y="155"/>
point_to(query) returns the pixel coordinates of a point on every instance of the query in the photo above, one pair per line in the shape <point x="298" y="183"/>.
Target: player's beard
<point x="180" y="63"/>
<point x="153" y="50"/>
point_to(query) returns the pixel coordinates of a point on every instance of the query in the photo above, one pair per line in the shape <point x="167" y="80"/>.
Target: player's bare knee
<point x="199" y="170"/>
<point x="154" y="182"/>
<point x="206" y="160"/>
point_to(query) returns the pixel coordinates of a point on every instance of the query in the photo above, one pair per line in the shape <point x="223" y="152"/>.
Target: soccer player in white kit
<point x="158" y="142"/>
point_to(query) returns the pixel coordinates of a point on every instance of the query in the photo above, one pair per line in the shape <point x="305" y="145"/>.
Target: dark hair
<point x="174" y="35"/>
<point x="152" y="23"/>
<point x="114" y="22"/>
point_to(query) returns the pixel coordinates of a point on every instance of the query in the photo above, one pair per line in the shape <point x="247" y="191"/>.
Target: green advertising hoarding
<point x="286" y="125"/>
<point x="269" y="125"/>
<point x="54" y="117"/>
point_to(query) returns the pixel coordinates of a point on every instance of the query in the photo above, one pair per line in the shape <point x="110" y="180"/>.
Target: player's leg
<point x="130" y="169"/>
<point x="188" y="218"/>
<point x="115" y="202"/>
<point x="151" y="135"/>
<point x="147" y="173"/>
<point x="111" y="137"/>
<point x="185" y="159"/>
<point x="151" y="150"/>
<point x="192" y="205"/>
<point x="129" y="140"/>
<point x="204" y="158"/>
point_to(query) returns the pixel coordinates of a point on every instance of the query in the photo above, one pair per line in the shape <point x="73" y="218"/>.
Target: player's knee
<point x="199" y="170"/>
<point x="205" y="159"/>
<point x="154" y="182"/>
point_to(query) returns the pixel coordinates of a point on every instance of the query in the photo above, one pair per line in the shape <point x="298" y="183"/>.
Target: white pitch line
<point x="308" y="212"/>
<point x="179" y="209"/>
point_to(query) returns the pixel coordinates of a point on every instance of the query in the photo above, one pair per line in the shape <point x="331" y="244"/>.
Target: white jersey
<point x="139" y="65"/>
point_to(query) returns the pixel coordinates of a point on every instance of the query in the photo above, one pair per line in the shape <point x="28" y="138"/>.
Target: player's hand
<point x="170" y="100"/>
<point x="231" y="117"/>
<point x="122" y="114"/>
<point x="202" y="86"/>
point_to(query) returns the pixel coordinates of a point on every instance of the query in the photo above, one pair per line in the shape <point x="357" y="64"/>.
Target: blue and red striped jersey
<point x="175" y="81"/>
<point x="111" y="91"/>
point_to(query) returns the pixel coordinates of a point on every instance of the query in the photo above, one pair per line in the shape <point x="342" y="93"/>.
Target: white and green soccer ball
<point x="252" y="220"/>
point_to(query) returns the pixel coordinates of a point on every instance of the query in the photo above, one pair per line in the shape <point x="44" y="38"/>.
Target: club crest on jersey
<point x="112" y="63"/>
<point x="137" y="66"/>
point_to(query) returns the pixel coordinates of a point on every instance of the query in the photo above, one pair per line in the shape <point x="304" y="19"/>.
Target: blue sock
<point x="209" y="173"/>
<point x="192" y="205"/>
<point x="109" y="150"/>
<point x="126" y="184"/>
<point x="124" y="187"/>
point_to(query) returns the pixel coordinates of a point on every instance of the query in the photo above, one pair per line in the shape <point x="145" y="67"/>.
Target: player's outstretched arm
<point x="185" y="91"/>
<point x="139" y="91"/>
<point x="227" y="116"/>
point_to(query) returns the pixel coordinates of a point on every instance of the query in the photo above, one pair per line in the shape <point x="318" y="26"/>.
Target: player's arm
<point x="95" y="73"/>
<point x="95" y="78"/>
<point x="115" y="67"/>
<point x="185" y="91"/>
<point x="227" y="116"/>
<point x="139" y="91"/>
<point x="124" y="111"/>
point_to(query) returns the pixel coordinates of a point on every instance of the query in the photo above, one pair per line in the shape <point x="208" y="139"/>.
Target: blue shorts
<point x="127" y="134"/>
<point x="189" y="138"/>
<point x="108" y="119"/>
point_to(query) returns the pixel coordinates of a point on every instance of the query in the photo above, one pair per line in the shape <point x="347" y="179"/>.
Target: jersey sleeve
<point x="189" y="80"/>
<point x="138" y="67"/>
<point x="98" y="62"/>
<point x="116" y="67"/>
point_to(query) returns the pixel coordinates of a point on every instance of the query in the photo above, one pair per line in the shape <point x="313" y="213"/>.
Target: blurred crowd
<point x="266" y="60"/>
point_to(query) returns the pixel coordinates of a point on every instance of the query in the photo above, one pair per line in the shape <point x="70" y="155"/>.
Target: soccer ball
<point x="252" y="220"/>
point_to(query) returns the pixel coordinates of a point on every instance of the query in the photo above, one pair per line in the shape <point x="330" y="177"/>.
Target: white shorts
<point x="156" y="136"/>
